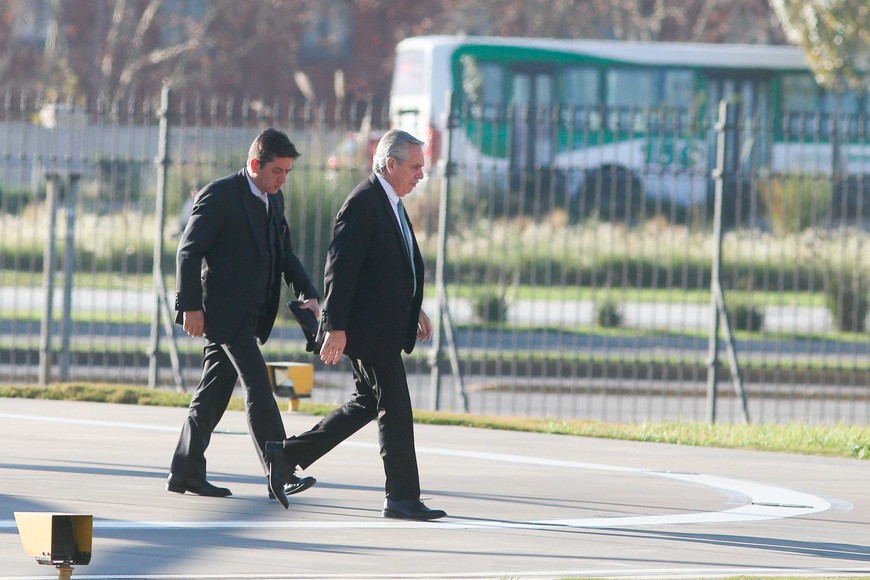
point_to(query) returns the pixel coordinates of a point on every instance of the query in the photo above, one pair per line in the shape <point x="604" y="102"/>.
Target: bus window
<point x="579" y="87"/>
<point x="492" y="94"/>
<point x="629" y="87"/>
<point x="408" y="73"/>
<point x="678" y="88"/>
<point x="799" y="93"/>
<point x="846" y="102"/>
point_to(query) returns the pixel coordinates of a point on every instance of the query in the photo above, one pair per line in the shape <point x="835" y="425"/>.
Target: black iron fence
<point x="573" y="256"/>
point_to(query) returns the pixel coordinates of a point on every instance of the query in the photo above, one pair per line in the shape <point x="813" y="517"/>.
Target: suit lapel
<point x="388" y="207"/>
<point x="254" y="210"/>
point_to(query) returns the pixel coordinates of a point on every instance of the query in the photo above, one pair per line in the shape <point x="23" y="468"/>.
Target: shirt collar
<point x="391" y="193"/>
<point x="264" y="197"/>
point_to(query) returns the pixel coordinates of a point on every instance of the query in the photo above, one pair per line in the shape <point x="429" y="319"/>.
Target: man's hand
<point x="424" y="327"/>
<point x="194" y="322"/>
<point x="333" y="346"/>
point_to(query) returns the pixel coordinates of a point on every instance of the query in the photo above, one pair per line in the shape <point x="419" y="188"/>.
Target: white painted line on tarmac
<point x="764" y="502"/>
<point x="635" y="574"/>
<point x="89" y="422"/>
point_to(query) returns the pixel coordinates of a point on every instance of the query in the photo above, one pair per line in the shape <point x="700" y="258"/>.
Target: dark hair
<point x="270" y="144"/>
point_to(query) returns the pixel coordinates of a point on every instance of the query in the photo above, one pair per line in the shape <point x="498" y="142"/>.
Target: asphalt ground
<point x="520" y="505"/>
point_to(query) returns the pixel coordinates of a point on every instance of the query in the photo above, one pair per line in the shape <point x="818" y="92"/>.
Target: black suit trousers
<point x="222" y="365"/>
<point x="381" y="393"/>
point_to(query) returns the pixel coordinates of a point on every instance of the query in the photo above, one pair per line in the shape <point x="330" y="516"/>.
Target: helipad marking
<point x="765" y="502"/>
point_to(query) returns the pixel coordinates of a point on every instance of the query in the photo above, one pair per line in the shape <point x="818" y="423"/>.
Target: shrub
<point x="12" y="201"/>
<point x="748" y="317"/>
<point x="795" y="202"/>
<point x="609" y="314"/>
<point x="490" y="307"/>
<point x="847" y="300"/>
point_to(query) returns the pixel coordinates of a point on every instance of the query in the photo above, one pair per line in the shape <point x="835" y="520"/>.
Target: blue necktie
<point x="406" y="233"/>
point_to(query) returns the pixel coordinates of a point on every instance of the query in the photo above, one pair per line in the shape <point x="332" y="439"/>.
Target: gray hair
<point x="395" y="143"/>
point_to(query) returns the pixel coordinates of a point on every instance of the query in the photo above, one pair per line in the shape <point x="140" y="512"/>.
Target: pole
<point x="726" y="136"/>
<point x="71" y="199"/>
<point x="713" y="339"/>
<point x="442" y="320"/>
<point x="45" y="354"/>
<point x="161" y="305"/>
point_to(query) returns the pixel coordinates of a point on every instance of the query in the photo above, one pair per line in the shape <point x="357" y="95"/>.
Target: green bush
<point x="746" y="317"/>
<point x="608" y="314"/>
<point x="490" y="307"/>
<point x="847" y="300"/>
<point x="12" y="201"/>
<point x="795" y="202"/>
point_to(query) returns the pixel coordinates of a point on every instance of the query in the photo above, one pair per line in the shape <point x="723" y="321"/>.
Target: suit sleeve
<point x="347" y="252"/>
<point x="294" y="272"/>
<point x="206" y="221"/>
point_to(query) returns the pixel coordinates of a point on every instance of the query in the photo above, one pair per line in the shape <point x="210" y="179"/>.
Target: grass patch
<point x="829" y="440"/>
<point x="624" y="294"/>
<point x="107" y="393"/>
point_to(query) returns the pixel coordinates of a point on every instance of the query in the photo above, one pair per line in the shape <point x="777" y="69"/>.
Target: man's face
<point x="404" y="175"/>
<point x="271" y="176"/>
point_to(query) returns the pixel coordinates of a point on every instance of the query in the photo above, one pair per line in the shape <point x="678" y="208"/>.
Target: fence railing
<point x="569" y="276"/>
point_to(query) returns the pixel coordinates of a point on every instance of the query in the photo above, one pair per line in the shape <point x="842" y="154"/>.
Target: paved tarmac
<point x="521" y="505"/>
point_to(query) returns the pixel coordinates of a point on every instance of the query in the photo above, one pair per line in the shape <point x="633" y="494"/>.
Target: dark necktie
<point x="406" y="233"/>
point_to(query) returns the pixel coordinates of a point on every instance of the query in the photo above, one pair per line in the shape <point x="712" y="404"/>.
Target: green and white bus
<point x="643" y="110"/>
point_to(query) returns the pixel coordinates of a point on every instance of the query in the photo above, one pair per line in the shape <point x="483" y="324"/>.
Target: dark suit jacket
<point x="368" y="280"/>
<point x="221" y="253"/>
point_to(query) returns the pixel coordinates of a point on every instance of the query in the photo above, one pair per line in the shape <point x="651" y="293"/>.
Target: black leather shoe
<point x="410" y="509"/>
<point x="295" y="484"/>
<point x="198" y="488"/>
<point x="278" y="466"/>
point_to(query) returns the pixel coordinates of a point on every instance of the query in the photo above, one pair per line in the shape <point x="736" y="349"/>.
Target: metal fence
<point x="607" y="286"/>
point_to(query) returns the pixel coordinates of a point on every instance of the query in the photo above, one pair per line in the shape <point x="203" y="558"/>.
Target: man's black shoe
<point x="410" y="509"/>
<point x="278" y="466"/>
<point x="197" y="488"/>
<point x="295" y="484"/>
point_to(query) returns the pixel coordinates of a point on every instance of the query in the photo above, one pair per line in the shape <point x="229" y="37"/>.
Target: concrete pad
<point x="520" y="505"/>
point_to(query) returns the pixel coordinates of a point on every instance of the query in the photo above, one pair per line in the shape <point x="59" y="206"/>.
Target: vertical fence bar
<point x="436" y="352"/>
<point x="722" y="127"/>
<point x="71" y="201"/>
<point x="48" y="265"/>
<point x="161" y="305"/>
<point x="725" y="128"/>
<point x="442" y="320"/>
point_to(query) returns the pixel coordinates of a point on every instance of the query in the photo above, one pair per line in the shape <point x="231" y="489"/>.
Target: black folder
<point x="308" y="322"/>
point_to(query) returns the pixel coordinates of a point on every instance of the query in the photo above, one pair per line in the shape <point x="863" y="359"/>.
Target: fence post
<point x="441" y="320"/>
<point x="71" y="201"/>
<point x="726" y="134"/>
<point x="52" y="193"/>
<point x="161" y="305"/>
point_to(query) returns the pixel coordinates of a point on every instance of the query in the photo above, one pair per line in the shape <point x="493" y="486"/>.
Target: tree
<point x="833" y="34"/>
<point x="109" y="51"/>
<point x="674" y="20"/>
<point x="114" y="51"/>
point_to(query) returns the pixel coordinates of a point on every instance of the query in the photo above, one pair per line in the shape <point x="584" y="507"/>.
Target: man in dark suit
<point x="373" y="287"/>
<point x="231" y="257"/>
